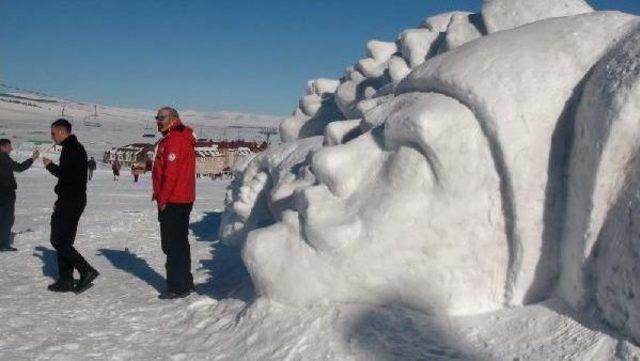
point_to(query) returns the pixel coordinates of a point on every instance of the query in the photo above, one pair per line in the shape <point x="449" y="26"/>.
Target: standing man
<point x="174" y="185"/>
<point x="8" y="188"/>
<point x="72" y="198"/>
<point x="115" y="168"/>
<point x="91" y="167"/>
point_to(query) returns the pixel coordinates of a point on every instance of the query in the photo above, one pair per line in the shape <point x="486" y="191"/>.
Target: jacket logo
<point x="172" y="157"/>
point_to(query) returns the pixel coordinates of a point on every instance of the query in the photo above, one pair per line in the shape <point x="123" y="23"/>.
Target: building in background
<point x="217" y="159"/>
<point x="213" y="159"/>
<point x="130" y="155"/>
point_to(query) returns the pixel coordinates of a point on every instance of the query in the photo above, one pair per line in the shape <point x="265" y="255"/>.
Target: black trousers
<point x="64" y="225"/>
<point x="7" y="211"/>
<point x="174" y="233"/>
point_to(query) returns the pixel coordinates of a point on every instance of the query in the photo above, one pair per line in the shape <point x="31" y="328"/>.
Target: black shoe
<point x="86" y="280"/>
<point x="61" y="286"/>
<point x="174" y="295"/>
<point x="8" y="249"/>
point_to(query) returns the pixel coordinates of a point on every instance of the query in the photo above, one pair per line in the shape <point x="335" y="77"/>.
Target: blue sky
<point x="251" y="56"/>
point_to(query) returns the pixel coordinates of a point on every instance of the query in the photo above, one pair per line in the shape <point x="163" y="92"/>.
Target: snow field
<point x="120" y="318"/>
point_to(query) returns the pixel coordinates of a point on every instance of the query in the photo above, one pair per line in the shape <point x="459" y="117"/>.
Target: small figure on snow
<point x="91" y="167"/>
<point x="136" y="170"/>
<point x="115" y="167"/>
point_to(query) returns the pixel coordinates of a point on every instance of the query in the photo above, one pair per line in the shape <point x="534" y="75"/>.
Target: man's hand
<point x="161" y="207"/>
<point x="46" y="161"/>
<point x="35" y="154"/>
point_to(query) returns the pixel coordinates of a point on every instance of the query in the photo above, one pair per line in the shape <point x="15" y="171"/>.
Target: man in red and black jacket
<point x="174" y="189"/>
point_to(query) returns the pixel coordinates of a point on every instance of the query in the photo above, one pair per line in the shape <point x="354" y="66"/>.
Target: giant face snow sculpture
<point x="400" y="211"/>
<point x="449" y="194"/>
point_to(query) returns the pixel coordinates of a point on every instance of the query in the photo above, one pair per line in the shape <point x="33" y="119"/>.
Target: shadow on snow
<point x="49" y="261"/>
<point x="227" y="275"/>
<point x="131" y="263"/>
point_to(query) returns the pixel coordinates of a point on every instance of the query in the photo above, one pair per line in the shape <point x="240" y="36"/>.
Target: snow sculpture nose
<point x="343" y="168"/>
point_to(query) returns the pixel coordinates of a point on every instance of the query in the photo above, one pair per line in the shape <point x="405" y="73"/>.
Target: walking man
<point x="91" y="167"/>
<point x="115" y="168"/>
<point x="72" y="198"/>
<point x="8" y="188"/>
<point x="137" y="168"/>
<point x="174" y="183"/>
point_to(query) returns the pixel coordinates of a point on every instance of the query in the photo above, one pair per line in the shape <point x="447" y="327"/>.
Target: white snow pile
<point x="478" y="162"/>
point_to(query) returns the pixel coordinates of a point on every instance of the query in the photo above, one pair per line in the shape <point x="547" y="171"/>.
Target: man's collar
<point x="67" y="139"/>
<point x="173" y="126"/>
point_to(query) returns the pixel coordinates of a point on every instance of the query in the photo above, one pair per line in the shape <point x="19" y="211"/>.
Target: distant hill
<point x="25" y="116"/>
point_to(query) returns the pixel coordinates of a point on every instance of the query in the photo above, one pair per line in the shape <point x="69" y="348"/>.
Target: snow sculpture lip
<point x="327" y="224"/>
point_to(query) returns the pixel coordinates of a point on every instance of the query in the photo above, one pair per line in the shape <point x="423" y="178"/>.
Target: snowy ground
<point x="120" y="318"/>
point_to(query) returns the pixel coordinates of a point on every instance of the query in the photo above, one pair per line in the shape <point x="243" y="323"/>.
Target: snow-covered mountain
<point x="26" y="116"/>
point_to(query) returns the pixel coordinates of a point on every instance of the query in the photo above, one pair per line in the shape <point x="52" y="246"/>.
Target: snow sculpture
<point x="263" y="187"/>
<point x="463" y="186"/>
<point x="521" y="94"/>
<point x="336" y="226"/>
<point x="508" y="14"/>
<point x="461" y="30"/>
<point x="600" y="243"/>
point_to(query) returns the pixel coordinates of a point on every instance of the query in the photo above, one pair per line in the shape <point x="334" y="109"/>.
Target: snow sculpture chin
<point x="460" y="190"/>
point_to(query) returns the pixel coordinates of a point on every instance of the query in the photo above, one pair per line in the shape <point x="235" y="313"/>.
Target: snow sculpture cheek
<point x="600" y="249"/>
<point x="328" y="221"/>
<point x="452" y="214"/>
<point x="328" y="224"/>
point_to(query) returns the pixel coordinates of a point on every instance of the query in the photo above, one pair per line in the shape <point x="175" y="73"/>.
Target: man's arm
<point x="53" y="168"/>
<point x="21" y="167"/>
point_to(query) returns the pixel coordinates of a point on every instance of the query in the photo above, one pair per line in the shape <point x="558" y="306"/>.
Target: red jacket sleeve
<point x="174" y="155"/>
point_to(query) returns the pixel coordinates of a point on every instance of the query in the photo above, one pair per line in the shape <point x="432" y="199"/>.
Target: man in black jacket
<point x="72" y="198"/>
<point x="8" y="187"/>
<point x="92" y="166"/>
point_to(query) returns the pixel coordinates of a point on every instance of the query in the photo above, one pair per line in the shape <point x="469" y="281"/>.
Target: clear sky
<point x="243" y="55"/>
